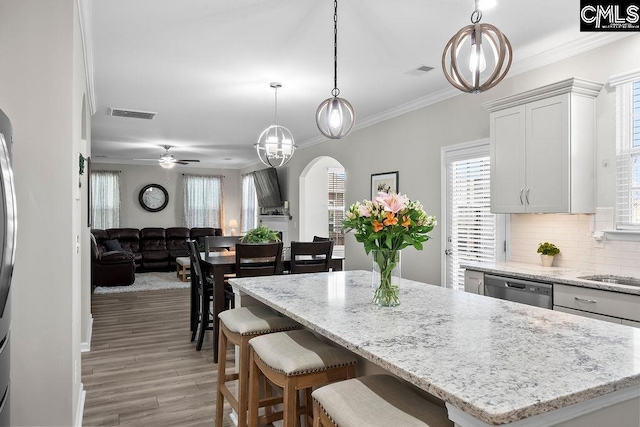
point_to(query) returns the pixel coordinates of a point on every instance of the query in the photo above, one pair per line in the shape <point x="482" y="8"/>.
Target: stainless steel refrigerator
<point x="7" y="256"/>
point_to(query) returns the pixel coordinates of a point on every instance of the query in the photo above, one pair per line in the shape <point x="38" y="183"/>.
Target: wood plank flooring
<point x="142" y="369"/>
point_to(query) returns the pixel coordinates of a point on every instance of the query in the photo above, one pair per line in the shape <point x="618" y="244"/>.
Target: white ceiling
<point x="205" y="65"/>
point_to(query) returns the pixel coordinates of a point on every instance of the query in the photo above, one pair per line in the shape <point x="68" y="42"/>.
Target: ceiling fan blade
<point x="182" y="160"/>
<point x="148" y="160"/>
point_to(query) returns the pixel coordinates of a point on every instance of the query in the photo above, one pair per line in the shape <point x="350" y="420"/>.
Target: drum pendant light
<point x="335" y="116"/>
<point x="275" y="145"/>
<point x="477" y="57"/>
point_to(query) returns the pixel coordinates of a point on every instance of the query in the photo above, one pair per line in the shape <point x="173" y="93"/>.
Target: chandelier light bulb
<point x="477" y="61"/>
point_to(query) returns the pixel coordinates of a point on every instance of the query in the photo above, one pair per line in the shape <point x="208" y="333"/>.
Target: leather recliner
<point x="111" y="268"/>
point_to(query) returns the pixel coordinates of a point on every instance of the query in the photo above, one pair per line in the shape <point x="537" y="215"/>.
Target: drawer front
<point x="597" y="301"/>
<point x="587" y="314"/>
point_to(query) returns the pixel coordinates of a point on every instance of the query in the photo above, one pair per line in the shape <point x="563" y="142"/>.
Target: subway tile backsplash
<point x="573" y="234"/>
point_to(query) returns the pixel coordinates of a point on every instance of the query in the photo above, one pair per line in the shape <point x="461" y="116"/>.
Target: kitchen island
<point x="492" y="362"/>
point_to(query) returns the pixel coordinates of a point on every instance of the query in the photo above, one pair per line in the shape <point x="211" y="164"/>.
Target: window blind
<point x="336" y="205"/>
<point x="473" y="226"/>
<point x="249" y="212"/>
<point x="628" y="151"/>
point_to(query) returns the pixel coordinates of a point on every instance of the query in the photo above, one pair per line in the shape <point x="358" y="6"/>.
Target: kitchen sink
<point x="629" y="281"/>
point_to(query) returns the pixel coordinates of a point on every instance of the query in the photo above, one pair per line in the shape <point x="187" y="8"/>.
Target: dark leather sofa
<point x="151" y="249"/>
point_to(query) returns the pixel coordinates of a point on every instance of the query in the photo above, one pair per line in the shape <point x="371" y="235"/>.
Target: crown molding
<point x="622" y="78"/>
<point x="86" y="32"/>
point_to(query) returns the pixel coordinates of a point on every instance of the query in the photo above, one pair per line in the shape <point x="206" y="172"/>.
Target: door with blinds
<point x="472" y="232"/>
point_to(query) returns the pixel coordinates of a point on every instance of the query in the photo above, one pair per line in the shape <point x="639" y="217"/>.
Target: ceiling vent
<point x="134" y="114"/>
<point x="420" y="71"/>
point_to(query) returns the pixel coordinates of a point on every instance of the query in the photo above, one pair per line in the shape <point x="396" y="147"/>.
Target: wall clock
<point x="153" y="197"/>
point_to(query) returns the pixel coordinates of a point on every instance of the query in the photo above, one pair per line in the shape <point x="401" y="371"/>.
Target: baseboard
<point x="80" y="409"/>
<point x="86" y="344"/>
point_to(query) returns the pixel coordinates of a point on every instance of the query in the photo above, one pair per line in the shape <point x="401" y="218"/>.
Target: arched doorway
<point x="322" y="201"/>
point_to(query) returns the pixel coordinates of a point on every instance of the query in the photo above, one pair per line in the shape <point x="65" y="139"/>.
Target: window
<point x="105" y="199"/>
<point x="203" y="203"/>
<point x="249" y="213"/>
<point x="336" y="205"/>
<point x="627" y="150"/>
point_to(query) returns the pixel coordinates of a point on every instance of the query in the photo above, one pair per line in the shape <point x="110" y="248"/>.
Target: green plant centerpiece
<point x="547" y="251"/>
<point x="385" y="226"/>
<point x="262" y="234"/>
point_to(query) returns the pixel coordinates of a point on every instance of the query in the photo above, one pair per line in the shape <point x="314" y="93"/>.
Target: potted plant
<point x="547" y="251"/>
<point x="261" y="234"/>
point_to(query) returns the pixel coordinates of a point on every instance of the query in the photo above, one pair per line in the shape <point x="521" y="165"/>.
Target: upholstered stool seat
<point x="238" y="326"/>
<point x="183" y="265"/>
<point x="374" y="401"/>
<point x="294" y="360"/>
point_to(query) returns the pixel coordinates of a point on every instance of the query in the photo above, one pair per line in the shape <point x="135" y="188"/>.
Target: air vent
<point x="424" y="68"/>
<point x="134" y="114"/>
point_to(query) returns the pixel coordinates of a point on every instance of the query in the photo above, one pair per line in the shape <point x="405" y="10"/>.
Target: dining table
<point x="222" y="263"/>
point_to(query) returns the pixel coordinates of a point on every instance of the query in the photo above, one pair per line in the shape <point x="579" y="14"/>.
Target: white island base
<point x="492" y="362"/>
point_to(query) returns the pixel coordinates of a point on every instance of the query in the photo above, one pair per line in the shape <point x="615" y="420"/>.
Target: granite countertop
<point x="496" y="360"/>
<point x="565" y="276"/>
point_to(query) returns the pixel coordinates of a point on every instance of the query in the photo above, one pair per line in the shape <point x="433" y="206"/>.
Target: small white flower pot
<point x="547" y="260"/>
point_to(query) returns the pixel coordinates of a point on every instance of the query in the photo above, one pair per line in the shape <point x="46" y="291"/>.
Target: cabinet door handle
<point x="521" y="190"/>
<point x="479" y="284"/>
<point x="526" y="195"/>
<point x="590" y="301"/>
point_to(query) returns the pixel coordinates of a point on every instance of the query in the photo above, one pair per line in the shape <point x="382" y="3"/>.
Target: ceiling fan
<point x="167" y="160"/>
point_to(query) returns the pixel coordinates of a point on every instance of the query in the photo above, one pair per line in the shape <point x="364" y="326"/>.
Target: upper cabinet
<point x="543" y="149"/>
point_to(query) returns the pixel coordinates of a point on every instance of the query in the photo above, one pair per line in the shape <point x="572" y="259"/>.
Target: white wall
<point x="314" y="187"/>
<point x="40" y="90"/>
<point x="133" y="178"/>
<point x="411" y="143"/>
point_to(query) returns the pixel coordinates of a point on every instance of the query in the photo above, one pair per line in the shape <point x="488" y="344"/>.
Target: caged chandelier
<point x="275" y="146"/>
<point x="335" y="116"/>
<point x="477" y="57"/>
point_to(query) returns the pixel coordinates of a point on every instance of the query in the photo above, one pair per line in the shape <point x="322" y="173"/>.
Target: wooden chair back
<point x="220" y="243"/>
<point x="194" y="257"/>
<point x="258" y="259"/>
<point x="311" y="257"/>
<point x="320" y="239"/>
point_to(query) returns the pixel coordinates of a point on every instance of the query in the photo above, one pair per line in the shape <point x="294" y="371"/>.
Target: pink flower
<point x="392" y="202"/>
<point x="365" y="211"/>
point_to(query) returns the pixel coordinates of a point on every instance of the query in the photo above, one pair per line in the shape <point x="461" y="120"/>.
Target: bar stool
<point x="294" y="360"/>
<point x="374" y="401"/>
<point x="238" y="326"/>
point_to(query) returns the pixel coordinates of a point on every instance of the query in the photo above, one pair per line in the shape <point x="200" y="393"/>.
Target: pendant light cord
<point x="335" y="91"/>
<point x="275" y="119"/>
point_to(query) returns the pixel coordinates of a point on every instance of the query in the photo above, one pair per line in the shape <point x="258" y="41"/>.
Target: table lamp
<point x="233" y="224"/>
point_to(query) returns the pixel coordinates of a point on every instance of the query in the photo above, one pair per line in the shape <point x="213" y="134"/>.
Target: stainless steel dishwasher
<point x="518" y="290"/>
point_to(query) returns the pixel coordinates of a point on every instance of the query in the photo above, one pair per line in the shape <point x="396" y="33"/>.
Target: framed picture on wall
<point x="386" y="181"/>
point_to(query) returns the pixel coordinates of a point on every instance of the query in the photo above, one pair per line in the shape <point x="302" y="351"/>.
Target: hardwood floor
<point x="142" y="368"/>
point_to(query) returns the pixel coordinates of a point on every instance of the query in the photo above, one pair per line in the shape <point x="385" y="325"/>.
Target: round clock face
<point x="153" y="197"/>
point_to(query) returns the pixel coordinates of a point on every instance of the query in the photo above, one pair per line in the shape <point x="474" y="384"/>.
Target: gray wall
<point x="411" y="144"/>
<point x="41" y="90"/>
<point x="134" y="177"/>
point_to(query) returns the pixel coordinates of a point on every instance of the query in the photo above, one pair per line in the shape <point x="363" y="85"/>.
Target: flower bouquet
<point x="386" y="225"/>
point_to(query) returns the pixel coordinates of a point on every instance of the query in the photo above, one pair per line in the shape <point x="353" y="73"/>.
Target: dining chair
<point x="258" y="259"/>
<point x="220" y="243"/>
<point x="204" y="287"/>
<point x="310" y="257"/>
<point x="320" y="239"/>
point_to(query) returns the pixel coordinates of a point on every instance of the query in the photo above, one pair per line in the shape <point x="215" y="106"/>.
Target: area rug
<point x="153" y="281"/>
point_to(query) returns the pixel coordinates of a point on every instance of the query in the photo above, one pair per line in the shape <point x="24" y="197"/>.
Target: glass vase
<point x="385" y="277"/>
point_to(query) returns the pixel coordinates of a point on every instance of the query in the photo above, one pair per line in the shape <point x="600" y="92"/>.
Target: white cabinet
<point x="543" y="149"/>
<point x="474" y="282"/>
<point x="613" y="307"/>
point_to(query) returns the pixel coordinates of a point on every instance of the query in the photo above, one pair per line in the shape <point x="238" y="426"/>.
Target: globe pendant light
<point x="275" y="145"/>
<point x="465" y="62"/>
<point x="335" y="116"/>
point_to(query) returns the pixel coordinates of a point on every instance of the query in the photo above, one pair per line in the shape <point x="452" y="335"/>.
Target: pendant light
<point x="335" y="116"/>
<point x="477" y="57"/>
<point x="275" y="145"/>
